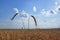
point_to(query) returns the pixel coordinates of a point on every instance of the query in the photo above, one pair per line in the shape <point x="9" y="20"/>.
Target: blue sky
<point x="39" y="8"/>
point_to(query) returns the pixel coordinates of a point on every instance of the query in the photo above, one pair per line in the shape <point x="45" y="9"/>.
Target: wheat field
<point x="17" y="34"/>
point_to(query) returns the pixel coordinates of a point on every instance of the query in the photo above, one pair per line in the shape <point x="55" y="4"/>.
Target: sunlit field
<point x="53" y="34"/>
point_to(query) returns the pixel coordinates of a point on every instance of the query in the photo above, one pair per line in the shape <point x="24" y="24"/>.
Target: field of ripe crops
<point x="53" y="34"/>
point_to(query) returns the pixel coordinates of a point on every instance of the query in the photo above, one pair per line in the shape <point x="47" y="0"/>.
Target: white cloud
<point x="16" y="10"/>
<point x="56" y="3"/>
<point x="17" y="24"/>
<point x="57" y="9"/>
<point x="53" y="23"/>
<point x="47" y="13"/>
<point x="53" y="11"/>
<point x="24" y="14"/>
<point x="34" y="9"/>
<point x="43" y="11"/>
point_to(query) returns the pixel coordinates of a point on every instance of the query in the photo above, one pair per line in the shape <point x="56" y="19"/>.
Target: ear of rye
<point x="34" y="20"/>
<point x="14" y="16"/>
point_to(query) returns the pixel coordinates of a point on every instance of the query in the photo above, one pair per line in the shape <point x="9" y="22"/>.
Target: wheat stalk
<point x="17" y="12"/>
<point x="14" y="16"/>
<point x="24" y="15"/>
<point x="34" y="20"/>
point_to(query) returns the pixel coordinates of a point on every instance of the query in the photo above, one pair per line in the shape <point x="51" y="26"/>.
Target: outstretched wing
<point x="34" y="20"/>
<point x="14" y="16"/>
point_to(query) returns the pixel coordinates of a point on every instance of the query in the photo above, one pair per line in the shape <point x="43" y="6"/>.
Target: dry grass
<point x="30" y="34"/>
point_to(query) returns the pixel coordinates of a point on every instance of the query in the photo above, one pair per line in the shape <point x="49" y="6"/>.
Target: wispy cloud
<point x="56" y="3"/>
<point x="34" y="9"/>
<point x="24" y="14"/>
<point x="47" y="13"/>
<point x="53" y="23"/>
<point x="51" y="12"/>
<point x="16" y="10"/>
<point x="57" y="9"/>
